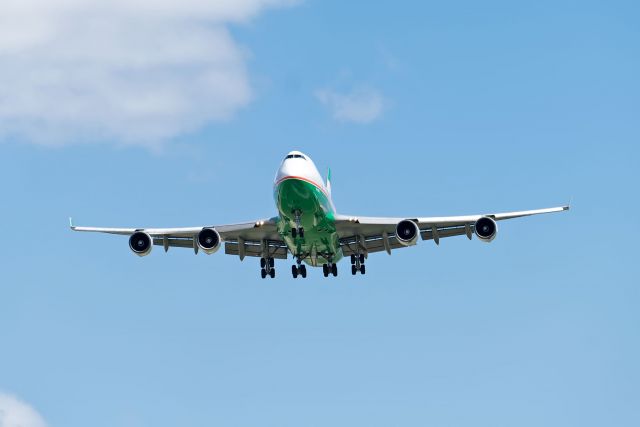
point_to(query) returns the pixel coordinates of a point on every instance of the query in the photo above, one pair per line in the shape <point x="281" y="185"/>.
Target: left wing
<point x="374" y="234"/>
<point x="258" y="238"/>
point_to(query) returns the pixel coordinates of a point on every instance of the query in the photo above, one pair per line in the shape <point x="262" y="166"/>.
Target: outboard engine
<point x="486" y="229"/>
<point x="141" y="243"/>
<point x="407" y="232"/>
<point x="209" y="240"/>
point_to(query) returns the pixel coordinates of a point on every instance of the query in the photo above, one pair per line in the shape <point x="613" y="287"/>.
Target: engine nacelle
<point x="209" y="240"/>
<point x="407" y="232"/>
<point x="141" y="243"/>
<point x="486" y="229"/>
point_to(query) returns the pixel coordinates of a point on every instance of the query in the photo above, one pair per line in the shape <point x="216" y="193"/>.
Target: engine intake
<point x="141" y="243"/>
<point x="209" y="240"/>
<point x="407" y="232"/>
<point x="486" y="229"/>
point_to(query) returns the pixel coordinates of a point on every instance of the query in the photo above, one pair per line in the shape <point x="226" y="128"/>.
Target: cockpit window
<point x="296" y="156"/>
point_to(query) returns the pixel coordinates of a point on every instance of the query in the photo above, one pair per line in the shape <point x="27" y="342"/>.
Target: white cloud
<point x="361" y="105"/>
<point x="15" y="413"/>
<point x="133" y="71"/>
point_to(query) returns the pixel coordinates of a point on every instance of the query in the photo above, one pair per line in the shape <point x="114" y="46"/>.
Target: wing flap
<point x="255" y="249"/>
<point x="376" y="243"/>
<point x="446" y="232"/>
<point x="175" y="242"/>
<point x="372" y="244"/>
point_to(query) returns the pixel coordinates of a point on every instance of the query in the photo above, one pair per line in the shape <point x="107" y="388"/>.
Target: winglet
<point x="566" y="208"/>
<point x="71" y="226"/>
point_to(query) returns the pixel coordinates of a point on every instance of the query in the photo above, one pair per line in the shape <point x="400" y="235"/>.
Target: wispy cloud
<point x="360" y="105"/>
<point x="15" y="413"/>
<point x="133" y="71"/>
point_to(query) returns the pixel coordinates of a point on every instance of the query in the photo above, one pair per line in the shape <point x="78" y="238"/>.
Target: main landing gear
<point x="357" y="264"/>
<point x="299" y="269"/>
<point x="267" y="267"/>
<point x="330" y="268"/>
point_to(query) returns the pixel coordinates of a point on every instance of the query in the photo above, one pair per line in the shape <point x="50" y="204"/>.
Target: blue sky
<point x="419" y="108"/>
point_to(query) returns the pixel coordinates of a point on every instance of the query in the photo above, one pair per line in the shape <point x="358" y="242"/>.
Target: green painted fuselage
<point x="320" y="243"/>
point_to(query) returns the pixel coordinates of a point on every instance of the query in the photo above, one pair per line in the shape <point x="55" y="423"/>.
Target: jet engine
<point x="407" y="232"/>
<point x="209" y="240"/>
<point x="141" y="243"/>
<point x="486" y="229"/>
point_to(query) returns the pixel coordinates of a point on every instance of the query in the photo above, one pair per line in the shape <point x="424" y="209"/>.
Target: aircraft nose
<point x="284" y="169"/>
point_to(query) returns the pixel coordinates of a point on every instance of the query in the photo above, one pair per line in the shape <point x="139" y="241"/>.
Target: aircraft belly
<point x="320" y="238"/>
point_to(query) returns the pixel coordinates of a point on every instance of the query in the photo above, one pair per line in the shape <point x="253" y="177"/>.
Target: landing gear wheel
<point x="298" y="231"/>
<point x="272" y="273"/>
<point x="362" y="269"/>
<point x="263" y="273"/>
<point x="294" y="271"/>
<point x="361" y="258"/>
<point x="263" y="263"/>
<point x="353" y="259"/>
<point x="334" y="270"/>
<point x="354" y="270"/>
<point x="303" y="271"/>
<point x="325" y="270"/>
<point x="271" y="262"/>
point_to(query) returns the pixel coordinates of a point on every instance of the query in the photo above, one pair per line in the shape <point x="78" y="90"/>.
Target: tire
<point x="301" y="232"/>
<point x="271" y="262"/>
<point x="325" y="270"/>
<point x="362" y="269"/>
<point x="303" y="271"/>
<point x="263" y="263"/>
<point x="334" y="270"/>
<point x="294" y="271"/>
<point x="272" y="273"/>
<point x="354" y="270"/>
<point x="294" y="233"/>
<point x="353" y="259"/>
<point x="263" y="273"/>
<point x="361" y="258"/>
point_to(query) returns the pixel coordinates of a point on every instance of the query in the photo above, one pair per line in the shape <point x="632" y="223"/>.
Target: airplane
<point x="309" y="228"/>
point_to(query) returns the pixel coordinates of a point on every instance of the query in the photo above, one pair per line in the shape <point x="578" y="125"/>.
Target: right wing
<point x="258" y="238"/>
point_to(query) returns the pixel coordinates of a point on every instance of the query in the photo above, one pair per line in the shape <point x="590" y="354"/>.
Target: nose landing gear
<point x="298" y="231"/>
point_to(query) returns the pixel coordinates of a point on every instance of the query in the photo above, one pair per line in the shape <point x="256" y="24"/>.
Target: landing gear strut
<point x="298" y="231"/>
<point x="357" y="264"/>
<point x="267" y="267"/>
